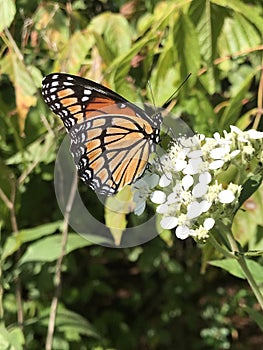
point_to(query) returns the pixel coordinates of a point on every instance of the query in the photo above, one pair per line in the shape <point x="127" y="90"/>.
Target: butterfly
<point x="111" y="138"/>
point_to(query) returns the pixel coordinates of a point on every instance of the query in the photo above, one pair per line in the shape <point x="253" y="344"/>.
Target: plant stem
<point x="238" y="255"/>
<point x="243" y="264"/>
<point x="58" y="273"/>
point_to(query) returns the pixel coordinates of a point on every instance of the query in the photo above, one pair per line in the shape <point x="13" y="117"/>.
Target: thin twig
<point x="58" y="277"/>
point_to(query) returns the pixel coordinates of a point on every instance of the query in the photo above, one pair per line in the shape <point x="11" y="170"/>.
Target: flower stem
<point x="243" y="264"/>
<point x="239" y="256"/>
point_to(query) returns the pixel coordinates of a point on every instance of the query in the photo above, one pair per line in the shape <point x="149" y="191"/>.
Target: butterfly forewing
<point x="111" y="138"/>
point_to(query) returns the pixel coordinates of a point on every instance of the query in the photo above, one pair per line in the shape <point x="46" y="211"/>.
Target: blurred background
<point x="161" y="293"/>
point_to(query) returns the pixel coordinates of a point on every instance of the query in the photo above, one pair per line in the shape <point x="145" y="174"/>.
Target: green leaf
<point x="249" y="187"/>
<point x="41" y="150"/>
<point x="238" y="34"/>
<point x="14" y="242"/>
<point x="256" y="316"/>
<point x="67" y="320"/>
<point x="116" y="209"/>
<point x="75" y="51"/>
<point x="12" y="339"/>
<point x="49" y="249"/>
<point x="23" y="83"/>
<point x="7" y="13"/>
<point x="232" y="111"/>
<point x="117" y="34"/>
<point x="248" y="222"/>
<point x="250" y="11"/>
<point x="208" y="20"/>
<point x="187" y="47"/>
<point x="232" y="266"/>
<point x="165" y="76"/>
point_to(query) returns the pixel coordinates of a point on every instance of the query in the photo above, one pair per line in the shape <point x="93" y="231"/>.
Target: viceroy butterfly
<point x="111" y="138"/>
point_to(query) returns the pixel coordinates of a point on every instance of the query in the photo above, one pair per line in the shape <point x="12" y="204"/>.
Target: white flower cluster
<point x="190" y="197"/>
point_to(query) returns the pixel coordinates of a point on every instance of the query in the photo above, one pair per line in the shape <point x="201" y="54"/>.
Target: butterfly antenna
<point x="179" y="87"/>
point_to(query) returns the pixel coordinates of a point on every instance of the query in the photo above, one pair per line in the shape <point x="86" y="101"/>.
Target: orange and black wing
<point x="111" y="138"/>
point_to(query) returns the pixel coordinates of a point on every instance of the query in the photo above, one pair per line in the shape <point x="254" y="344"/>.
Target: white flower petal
<point x="158" y="197"/>
<point x="254" y="134"/>
<point x="187" y="182"/>
<point x="205" y="178"/>
<point x="217" y="136"/>
<point x="235" y="129"/>
<point x="152" y="180"/>
<point x="205" y="205"/>
<point x="182" y="232"/>
<point x="209" y="223"/>
<point x="162" y="208"/>
<point x="165" y="180"/>
<point x="226" y="196"/>
<point x="172" y="198"/>
<point x="168" y="222"/>
<point x="195" y="154"/>
<point x="235" y="153"/>
<point x="199" y="190"/>
<point x="219" y="152"/>
<point x="180" y="164"/>
<point x="139" y="208"/>
<point x="194" y="210"/>
<point x="217" y="164"/>
<point x="193" y="166"/>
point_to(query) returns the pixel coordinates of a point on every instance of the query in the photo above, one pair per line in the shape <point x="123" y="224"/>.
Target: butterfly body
<point x="111" y="138"/>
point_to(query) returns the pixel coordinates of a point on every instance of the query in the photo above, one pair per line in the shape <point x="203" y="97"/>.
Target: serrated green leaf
<point x="49" y="248"/>
<point x="232" y="266"/>
<point x="232" y="111"/>
<point x="187" y="47"/>
<point x="7" y="13"/>
<point x="238" y="34"/>
<point x="208" y="20"/>
<point x="250" y="11"/>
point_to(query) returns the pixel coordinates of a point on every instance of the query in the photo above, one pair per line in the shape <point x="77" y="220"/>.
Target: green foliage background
<point x="162" y="293"/>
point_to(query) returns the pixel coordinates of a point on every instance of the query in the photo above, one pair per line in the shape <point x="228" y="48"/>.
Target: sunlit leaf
<point x="233" y="267"/>
<point x="187" y="47"/>
<point x="232" y="111"/>
<point x="15" y="241"/>
<point x="238" y="35"/>
<point x="73" y="55"/>
<point x="246" y="10"/>
<point x="11" y="339"/>
<point x="208" y="20"/>
<point x="116" y="209"/>
<point x="49" y="248"/>
<point x="7" y="13"/>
